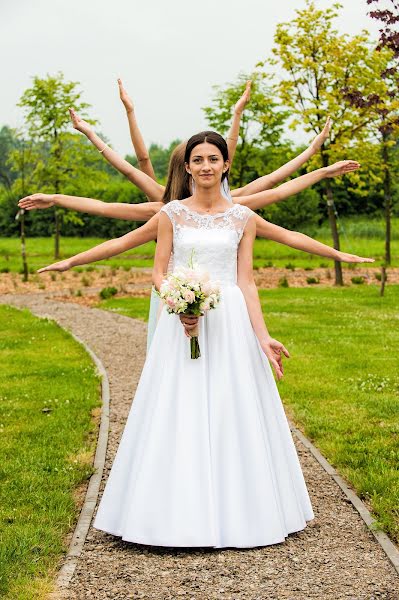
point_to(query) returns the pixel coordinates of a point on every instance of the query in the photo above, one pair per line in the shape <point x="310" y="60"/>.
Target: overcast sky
<point x="169" y="53"/>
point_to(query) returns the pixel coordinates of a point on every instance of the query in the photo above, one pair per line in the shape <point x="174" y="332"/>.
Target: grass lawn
<point x="266" y="253"/>
<point x="341" y="384"/>
<point x="48" y="390"/>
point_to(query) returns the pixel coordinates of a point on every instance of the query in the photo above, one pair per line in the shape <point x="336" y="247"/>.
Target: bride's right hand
<point x="36" y="201"/>
<point x="62" y="265"/>
<point x="189" y="323"/>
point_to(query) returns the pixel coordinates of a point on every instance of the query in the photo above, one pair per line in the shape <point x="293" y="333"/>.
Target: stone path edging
<point x="389" y="548"/>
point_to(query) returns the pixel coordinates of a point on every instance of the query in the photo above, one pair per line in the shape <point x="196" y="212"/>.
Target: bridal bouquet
<point x="189" y="291"/>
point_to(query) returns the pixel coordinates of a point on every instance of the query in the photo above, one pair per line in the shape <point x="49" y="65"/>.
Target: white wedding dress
<point x="206" y="457"/>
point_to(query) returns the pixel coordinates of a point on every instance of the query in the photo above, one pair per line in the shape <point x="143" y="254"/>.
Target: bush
<point x="378" y="276"/>
<point x="283" y="282"/>
<point x="312" y="280"/>
<point x="290" y="266"/>
<point x="358" y="279"/>
<point x="108" y="292"/>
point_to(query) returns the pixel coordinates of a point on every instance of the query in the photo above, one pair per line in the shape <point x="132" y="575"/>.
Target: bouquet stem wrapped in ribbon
<point x="189" y="291"/>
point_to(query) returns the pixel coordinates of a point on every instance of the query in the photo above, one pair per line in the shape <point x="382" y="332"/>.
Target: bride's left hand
<point x="273" y="350"/>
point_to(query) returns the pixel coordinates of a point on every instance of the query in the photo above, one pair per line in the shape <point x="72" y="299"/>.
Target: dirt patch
<point x="83" y="288"/>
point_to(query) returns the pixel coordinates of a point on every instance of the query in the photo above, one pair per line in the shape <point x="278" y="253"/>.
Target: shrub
<point x="312" y="280"/>
<point x="358" y="279"/>
<point x="378" y="276"/>
<point x="5" y="270"/>
<point x="85" y="281"/>
<point x="308" y="268"/>
<point x="283" y="282"/>
<point x="108" y="292"/>
<point x="290" y="266"/>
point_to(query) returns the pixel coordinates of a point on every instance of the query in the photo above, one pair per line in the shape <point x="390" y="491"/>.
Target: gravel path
<point x="335" y="557"/>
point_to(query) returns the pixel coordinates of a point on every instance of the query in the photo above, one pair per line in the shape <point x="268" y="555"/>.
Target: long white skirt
<point x="206" y="457"/>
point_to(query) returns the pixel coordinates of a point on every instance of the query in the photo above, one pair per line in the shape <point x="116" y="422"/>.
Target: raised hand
<point x="341" y="167"/>
<point x="352" y="258"/>
<point x="80" y="124"/>
<point x="243" y="101"/>
<point x="124" y="96"/>
<point x="322" y="136"/>
<point x="273" y="350"/>
<point x="62" y="265"/>
<point x="36" y="201"/>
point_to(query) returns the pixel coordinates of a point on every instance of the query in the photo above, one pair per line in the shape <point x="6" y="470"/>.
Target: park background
<point x="341" y="386"/>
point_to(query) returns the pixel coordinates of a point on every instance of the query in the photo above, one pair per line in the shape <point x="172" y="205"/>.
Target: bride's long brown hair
<point x="178" y="183"/>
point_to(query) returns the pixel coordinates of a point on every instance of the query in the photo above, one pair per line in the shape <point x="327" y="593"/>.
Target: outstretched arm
<point x="303" y="242"/>
<point x="269" y="181"/>
<point x="152" y="189"/>
<point x="262" y="199"/>
<point x="245" y="280"/>
<point x="232" y="136"/>
<point x="139" y="146"/>
<point x="116" y="210"/>
<point x="133" y="239"/>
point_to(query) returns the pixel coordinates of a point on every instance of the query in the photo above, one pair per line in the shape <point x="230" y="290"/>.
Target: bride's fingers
<point x="277" y="369"/>
<point x="285" y="351"/>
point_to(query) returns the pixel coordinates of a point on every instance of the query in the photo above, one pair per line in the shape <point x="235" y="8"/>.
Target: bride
<point x="207" y="458"/>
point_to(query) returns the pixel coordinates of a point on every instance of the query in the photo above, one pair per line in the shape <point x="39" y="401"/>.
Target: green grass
<point x="40" y="250"/>
<point x="342" y="382"/>
<point x="48" y="389"/>
<point x="137" y="308"/>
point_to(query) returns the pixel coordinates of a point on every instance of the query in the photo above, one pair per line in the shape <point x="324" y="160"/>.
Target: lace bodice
<point x="214" y="238"/>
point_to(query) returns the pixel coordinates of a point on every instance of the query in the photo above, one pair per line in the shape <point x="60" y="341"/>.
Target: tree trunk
<point x="23" y="247"/>
<point x="333" y="223"/>
<point x="387" y="201"/>
<point x="57" y="233"/>
<point x="383" y="280"/>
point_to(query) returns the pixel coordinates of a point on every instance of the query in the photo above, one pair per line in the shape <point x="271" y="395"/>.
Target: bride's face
<point x="206" y="165"/>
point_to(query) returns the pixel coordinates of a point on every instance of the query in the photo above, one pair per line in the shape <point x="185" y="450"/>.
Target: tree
<point x="262" y="123"/>
<point x="8" y="142"/>
<point x="47" y="120"/>
<point x="386" y="106"/>
<point x="22" y="159"/>
<point x="317" y="63"/>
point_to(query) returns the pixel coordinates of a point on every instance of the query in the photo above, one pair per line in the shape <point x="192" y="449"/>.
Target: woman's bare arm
<point x="272" y="179"/>
<point x="116" y="210"/>
<point x="303" y="242"/>
<point x="152" y="189"/>
<point x="139" y="146"/>
<point x="233" y="135"/>
<point x="290" y="188"/>
<point x="133" y="239"/>
<point x="163" y="251"/>
<point x="245" y="280"/>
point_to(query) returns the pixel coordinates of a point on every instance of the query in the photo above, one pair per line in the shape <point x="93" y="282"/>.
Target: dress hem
<point x="163" y="545"/>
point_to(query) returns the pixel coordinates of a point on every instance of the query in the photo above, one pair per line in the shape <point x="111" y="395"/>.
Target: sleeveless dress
<point x="154" y="299"/>
<point x="206" y="457"/>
